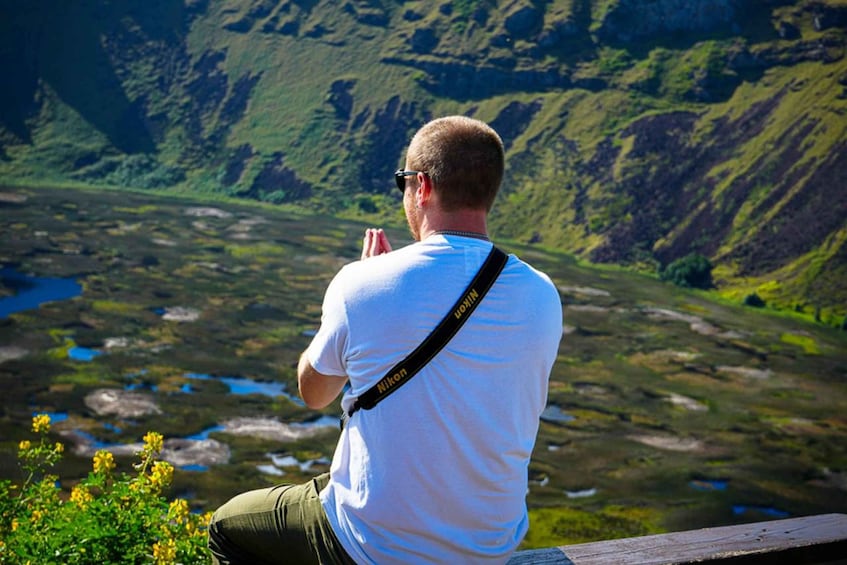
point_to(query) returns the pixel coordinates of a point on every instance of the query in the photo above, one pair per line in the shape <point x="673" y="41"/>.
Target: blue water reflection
<point x="709" y="485"/>
<point x="740" y="509"/>
<point x="242" y="386"/>
<point x="32" y="292"/>
<point x="83" y="353"/>
<point x="554" y="413"/>
<point x="142" y="386"/>
<point x="195" y="467"/>
<point x="205" y="433"/>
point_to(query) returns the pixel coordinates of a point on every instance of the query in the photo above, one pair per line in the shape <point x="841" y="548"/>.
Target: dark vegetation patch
<point x="817" y="209"/>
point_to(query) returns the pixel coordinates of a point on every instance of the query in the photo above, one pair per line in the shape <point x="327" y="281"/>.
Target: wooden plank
<point x="810" y="539"/>
<point x="547" y="556"/>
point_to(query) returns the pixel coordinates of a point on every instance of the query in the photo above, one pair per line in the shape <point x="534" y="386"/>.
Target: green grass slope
<point x="637" y="131"/>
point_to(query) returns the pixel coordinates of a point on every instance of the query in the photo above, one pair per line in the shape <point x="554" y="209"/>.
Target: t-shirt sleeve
<point x="327" y="352"/>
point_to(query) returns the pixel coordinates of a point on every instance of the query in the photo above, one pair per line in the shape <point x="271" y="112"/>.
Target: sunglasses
<point x="400" y="178"/>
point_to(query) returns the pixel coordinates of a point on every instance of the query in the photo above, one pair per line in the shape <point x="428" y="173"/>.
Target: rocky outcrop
<point x="631" y="20"/>
<point x="473" y="80"/>
<point x="826" y="15"/>
<point x="389" y="129"/>
<point x="825" y="50"/>
<point x="511" y="122"/>
<point x="236" y="164"/>
<point x="278" y="183"/>
<point x="524" y="21"/>
<point x="340" y="98"/>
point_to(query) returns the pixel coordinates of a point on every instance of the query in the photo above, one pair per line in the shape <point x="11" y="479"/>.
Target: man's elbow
<point x="316" y="390"/>
<point x="314" y="401"/>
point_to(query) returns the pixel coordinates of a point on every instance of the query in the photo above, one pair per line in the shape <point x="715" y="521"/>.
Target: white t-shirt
<point x="436" y="472"/>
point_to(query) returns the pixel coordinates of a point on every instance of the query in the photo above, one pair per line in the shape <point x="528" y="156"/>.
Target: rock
<point x="465" y="80"/>
<point x="12" y="198"/>
<point x="423" y="40"/>
<point x="632" y="20"/>
<point x="826" y="16"/>
<point x="241" y="25"/>
<point x="273" y="429"/>
<point x="558" y="32"/>
<point x="523" y="22"/>
<point x="669" y="443"/>
<point x="686" y="402"/>
<point x="181" y="314"/>
<point x="584" y="290"/>
<point x="176" y="451"/>
<point x="207" y="212"/>
<point x="121" y="403"/>
<point x="787" y="30"/>
<point x="340" y="98"/>
<point x="412" y="16"/>
<point x="182" y="452"/>
<point x="267" y="185"/>
<point x="11" y="352"/>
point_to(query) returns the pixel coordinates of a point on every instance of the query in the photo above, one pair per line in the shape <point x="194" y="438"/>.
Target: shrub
<point x="754" y="300"/>
<point x="106" y="518"/>
<point x="693" y="270"/>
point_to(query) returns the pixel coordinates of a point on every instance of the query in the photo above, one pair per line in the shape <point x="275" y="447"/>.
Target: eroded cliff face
<point x="632" y="20"/>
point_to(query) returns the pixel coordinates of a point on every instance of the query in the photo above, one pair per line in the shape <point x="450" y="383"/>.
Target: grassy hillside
<point x="637" y="132"/>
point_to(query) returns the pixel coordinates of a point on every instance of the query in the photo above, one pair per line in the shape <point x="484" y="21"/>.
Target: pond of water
<point x="242" y="385"/>
<point x="740" y="509"/>
<point x="554" y="413"/>
<point x="31" y="292"/>
<point x="83" y="353"/>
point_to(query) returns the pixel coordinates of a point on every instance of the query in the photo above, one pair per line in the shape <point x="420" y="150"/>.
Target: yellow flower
<point x="59" y="448"/>
<point x="153" y="442"/>
<point x="41" y="423"/>
<point x="81" y="496"/>
<point x="164" y="553"/>
<point x="14" y="524"/>
<point x="178" y="510"/>
<point x="104" y="461"/>
<point x="24" y="445"/>
<point x="206" y="518"/>
<point x="37" y="515"/>
<point x="161" y="474"/>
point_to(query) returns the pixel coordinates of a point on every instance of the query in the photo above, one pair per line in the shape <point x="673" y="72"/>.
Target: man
<point x="436" y="472"/>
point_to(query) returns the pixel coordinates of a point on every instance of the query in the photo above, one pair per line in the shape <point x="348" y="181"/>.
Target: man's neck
<point x="468" y="221"/>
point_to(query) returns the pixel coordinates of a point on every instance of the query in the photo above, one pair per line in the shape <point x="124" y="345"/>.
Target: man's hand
<point x="375" y="243"/>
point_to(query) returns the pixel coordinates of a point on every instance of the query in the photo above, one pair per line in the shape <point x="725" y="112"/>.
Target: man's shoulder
<point x="366" y="271"/>
<point x="532" y="273"/>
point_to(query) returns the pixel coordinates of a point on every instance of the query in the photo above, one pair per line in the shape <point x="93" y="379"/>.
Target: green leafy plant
<point x="754" y="300"/>
<point x="106" y="517"/>
<point x="693" y="270"/>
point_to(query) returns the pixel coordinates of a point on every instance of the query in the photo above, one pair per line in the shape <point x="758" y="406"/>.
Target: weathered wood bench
<point x="810" y="539"/>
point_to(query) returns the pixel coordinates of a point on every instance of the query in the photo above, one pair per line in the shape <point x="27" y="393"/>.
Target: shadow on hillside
<point x="65" y="46"/>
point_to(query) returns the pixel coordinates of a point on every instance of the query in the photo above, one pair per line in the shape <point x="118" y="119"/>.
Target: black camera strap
<point x="403" y="371"/>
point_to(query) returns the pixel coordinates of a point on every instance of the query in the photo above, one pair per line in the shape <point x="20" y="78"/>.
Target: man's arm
<point x="316" y="389"/>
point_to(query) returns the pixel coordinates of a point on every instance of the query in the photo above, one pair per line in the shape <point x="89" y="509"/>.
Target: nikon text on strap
<point x="438" y="338"/>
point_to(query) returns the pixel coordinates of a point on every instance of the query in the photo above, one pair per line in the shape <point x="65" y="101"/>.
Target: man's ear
<point x="424" y="191"/>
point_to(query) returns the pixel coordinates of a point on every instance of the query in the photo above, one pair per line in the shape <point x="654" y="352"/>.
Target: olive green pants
<point x="281" y="524"/>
